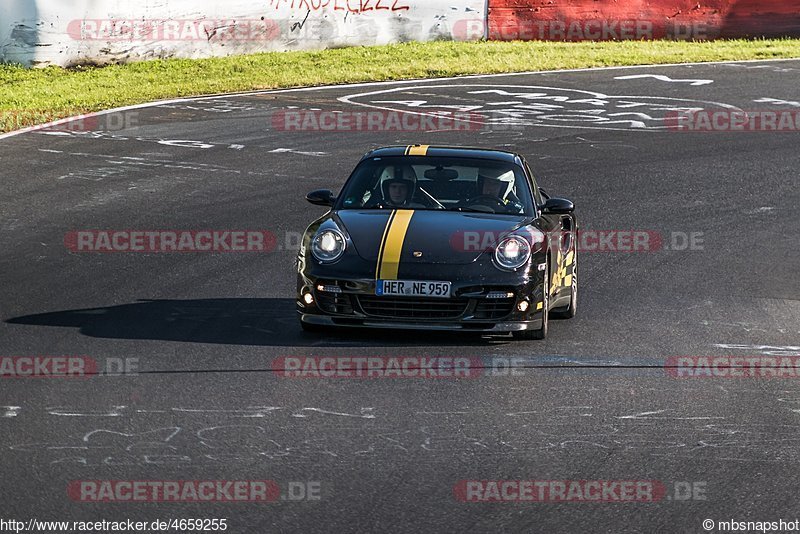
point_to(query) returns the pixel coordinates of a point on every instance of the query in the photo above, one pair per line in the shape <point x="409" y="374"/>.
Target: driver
<point x="399" y="186"/>
<point x="497" y="185"/>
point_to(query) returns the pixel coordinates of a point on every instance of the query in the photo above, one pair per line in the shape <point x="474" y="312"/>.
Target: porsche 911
<point x="439" y="238"/>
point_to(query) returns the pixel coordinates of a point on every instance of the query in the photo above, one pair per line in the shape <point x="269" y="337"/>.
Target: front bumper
<point x="474" y="306"/>
<point x="326" y="320"/>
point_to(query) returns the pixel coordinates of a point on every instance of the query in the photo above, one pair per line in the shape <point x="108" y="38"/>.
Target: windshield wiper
<point x="441" y="206"/>
<point x="472" y="210"/>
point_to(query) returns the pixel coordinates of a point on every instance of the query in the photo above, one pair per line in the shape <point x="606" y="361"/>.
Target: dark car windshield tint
<point x="456" y="184"/>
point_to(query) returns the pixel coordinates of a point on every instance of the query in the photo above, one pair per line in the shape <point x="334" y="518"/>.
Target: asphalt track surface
<point x="592" y="402"/>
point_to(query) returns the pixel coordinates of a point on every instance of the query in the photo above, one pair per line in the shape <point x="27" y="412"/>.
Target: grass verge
<point x="29" y="97"/>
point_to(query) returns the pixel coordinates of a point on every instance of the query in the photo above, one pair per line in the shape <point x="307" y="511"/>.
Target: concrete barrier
<point x="67" y="33"/>
<point x="604" y="20"/>
<point x="72" y="32"/>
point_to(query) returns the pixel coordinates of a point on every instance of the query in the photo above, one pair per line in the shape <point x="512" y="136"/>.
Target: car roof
<point x="443" y="151"/>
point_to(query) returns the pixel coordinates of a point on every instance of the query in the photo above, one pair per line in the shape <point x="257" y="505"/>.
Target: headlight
<point x="512" y="253"/>
<point x="328" y="246"/>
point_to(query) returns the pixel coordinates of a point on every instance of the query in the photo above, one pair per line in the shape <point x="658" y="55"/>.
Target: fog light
<point x="523" y="306"/>
<point x="308" y="298"/>
<point x="329" y="289"/>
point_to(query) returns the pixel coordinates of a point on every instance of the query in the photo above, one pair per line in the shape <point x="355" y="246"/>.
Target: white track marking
<point x="769" y="350"/>
<point x="778" y="102"/>
<point x="299" y="152"/>
<point x="10" y="411"/>
<point x="366" y="413"/>
<point x="372" y="84"/>
<point x="664" y="79"/>
<point x="552" y="107"/>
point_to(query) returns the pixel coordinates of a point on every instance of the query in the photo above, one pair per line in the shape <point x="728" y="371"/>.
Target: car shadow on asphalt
<point x="234" y="321"/>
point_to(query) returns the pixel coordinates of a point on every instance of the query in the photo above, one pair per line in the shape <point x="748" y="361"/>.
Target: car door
<point x="560" y="231"/>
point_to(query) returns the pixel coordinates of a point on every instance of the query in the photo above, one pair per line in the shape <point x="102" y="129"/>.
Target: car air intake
<point x="412" y="308"/>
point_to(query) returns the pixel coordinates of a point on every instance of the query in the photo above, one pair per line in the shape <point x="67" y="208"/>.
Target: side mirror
<point x="321" y="197"/>
<point x="558" y="206"/>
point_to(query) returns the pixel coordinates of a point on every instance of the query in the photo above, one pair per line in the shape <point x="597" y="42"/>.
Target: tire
<point x="539" y="333"/>
<point x="569" y="311"/>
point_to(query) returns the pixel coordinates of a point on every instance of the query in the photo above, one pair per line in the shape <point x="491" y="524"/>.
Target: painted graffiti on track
<point x="509" y="107"/>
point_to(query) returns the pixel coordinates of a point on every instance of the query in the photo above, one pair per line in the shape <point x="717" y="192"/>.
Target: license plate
<point x="412" y="288"/>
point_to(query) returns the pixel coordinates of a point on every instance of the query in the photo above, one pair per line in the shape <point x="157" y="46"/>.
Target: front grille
<point x="336" y="303"/>
<point x="412" y="308"/>
<point x="493" y="308"/>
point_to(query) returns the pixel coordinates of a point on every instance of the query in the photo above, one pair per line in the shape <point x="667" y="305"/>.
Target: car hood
<point x="440" y="236"/>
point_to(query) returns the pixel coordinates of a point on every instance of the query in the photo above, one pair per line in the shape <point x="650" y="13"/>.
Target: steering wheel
<point x="489" y="201"/>
<point x="387" y="206"/>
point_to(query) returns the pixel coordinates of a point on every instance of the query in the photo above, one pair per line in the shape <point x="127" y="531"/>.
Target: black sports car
<point x="439" y="238"/>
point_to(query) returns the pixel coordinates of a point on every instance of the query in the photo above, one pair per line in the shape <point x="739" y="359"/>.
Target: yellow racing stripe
<point x="383" y="244"/>
<point x="392" y="246"/>
<point x="418" y="150"/>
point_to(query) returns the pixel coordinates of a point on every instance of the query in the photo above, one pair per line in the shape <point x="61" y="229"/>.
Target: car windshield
<point x="428" y="183"/>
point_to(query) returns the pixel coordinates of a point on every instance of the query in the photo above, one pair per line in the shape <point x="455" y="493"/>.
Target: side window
<point x="537" y="196"/>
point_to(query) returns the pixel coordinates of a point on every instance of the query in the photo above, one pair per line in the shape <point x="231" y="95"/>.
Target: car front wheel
<point x="568" y="312"/>
<point x="539" y="333"/>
